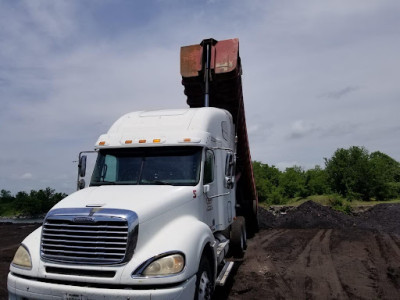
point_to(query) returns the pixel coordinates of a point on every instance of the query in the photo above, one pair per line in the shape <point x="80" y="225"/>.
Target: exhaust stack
<point x="207" y="46"/>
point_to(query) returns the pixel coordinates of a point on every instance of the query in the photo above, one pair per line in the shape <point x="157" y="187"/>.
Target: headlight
<point x="166" y="265"/>
<point x="22" y="258"/>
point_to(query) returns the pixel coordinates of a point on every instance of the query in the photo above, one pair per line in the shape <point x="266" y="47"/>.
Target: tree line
<point x="352" y="173"/>
<point x="34" y="203"/>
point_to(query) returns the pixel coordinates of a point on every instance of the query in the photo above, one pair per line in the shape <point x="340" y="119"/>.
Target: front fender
<point x="183" y="234"/>
<point x="32" y="244"/>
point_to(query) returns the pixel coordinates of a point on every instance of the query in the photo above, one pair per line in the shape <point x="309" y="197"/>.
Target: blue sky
<point x="318" y="75"/>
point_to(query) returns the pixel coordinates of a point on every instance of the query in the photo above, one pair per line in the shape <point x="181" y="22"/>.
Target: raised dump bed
<point x="211" y="74"/>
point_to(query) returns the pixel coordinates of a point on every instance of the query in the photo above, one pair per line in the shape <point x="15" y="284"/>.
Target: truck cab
<point x="160" y="197"/>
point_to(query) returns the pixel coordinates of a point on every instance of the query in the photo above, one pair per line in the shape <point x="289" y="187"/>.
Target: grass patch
<point x="335" y="201"/>
<point x="373" y="202"/>
<point x="8" y="210"/>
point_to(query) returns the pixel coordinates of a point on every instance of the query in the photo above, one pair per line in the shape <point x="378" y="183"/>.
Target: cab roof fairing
<point x="204" y="126"/>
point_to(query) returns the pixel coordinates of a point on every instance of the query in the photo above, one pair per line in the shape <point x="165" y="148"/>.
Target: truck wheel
<point x="204" y="284"/>
<point x="238" y="237"/>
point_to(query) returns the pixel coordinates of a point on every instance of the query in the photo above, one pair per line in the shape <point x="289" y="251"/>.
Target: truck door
<point x="211" y="187"/>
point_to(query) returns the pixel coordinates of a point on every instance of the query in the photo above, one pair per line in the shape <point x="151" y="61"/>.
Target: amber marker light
<point x="187" y="140"/>
<point x="128" y="142"/>
<point x="156" y="140"/>
<point x="102" y="143"/>
<point x="142" y="141"/>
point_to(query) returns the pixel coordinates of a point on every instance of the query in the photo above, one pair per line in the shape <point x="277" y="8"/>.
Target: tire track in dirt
<point x="313" y="252"/>
<point x="376" y="265"/>
<point x="260" y="268"/>
<point x="367" y="264"/>
<point x="387" y="264"/>
<point x="393" y="269"/>
<point x="271" y="236"/>
<point x="393" y="242"/>
<point x="314" y="272"/>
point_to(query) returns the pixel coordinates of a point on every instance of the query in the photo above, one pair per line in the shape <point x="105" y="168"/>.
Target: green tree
<point x="267" y="182"/>
<point x="6" y="197"/>
<point x="23" y="203"/>
<point x="385" y="176"/>
<point x="37" y="202"/>
<point x="263" y="186"/>
<point x="293" y="181"/>
<point x="317" y="181"/>
<point x="337" y="171"/>
<point x="349" y="172"/>
<point x="354" y="172"/>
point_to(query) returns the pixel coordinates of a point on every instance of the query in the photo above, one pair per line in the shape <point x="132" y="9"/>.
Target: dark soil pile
<point x="381" y="217"/>
<point x="312" y="215"/>
<point x="309" y="215"/>
<point x="266" y="219"/>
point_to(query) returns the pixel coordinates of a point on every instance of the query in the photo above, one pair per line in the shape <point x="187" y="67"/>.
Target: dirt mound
<point x="266" y="219"/>
<point x="309" y="215"/>
<point x="381" y="217"/>
<point x="306" y="216"/>
<point x="312" y="215"/>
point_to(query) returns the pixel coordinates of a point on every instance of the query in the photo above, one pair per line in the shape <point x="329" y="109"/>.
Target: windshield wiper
<point x="98" y="183"/>
<point x="161" y="182"/>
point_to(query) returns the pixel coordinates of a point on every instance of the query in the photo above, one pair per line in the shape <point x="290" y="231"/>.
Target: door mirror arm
<point x="206" y="188"/>
<point x="81" y="184"/>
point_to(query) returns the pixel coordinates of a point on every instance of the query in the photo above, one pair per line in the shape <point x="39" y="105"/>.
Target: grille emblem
<point x="84" y="220"/>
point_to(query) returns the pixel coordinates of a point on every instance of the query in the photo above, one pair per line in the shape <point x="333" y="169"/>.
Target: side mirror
<point x="84" y="163"/>
<point x="229" y="182"/>
<point x="82" y="166"/>
<point x="81" y="184"/>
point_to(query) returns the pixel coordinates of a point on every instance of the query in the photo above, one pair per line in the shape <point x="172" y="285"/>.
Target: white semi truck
<point x="167" y="205"/>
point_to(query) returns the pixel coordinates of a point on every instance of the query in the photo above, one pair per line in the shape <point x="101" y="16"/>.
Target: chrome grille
<point x="82" y="236"/>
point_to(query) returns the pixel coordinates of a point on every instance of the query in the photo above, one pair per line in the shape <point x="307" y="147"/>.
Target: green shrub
<point x="339" y="204"/>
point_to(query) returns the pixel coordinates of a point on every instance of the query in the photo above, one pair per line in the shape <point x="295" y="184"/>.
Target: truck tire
<point x="238" y="237"/>
<point x="204" y="281"/>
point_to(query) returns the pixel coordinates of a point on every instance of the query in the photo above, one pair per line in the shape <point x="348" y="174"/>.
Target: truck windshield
<point x="148" y="166"/>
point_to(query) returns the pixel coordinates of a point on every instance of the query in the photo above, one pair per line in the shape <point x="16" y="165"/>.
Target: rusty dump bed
<point x="225" y="91"/>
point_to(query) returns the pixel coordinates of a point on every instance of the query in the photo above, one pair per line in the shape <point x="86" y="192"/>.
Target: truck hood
<point x="148" y="201"/>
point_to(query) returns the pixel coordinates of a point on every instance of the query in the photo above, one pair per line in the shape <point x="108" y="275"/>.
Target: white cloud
<point x="301" y="128"/>
<point x="26" y="176"/>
